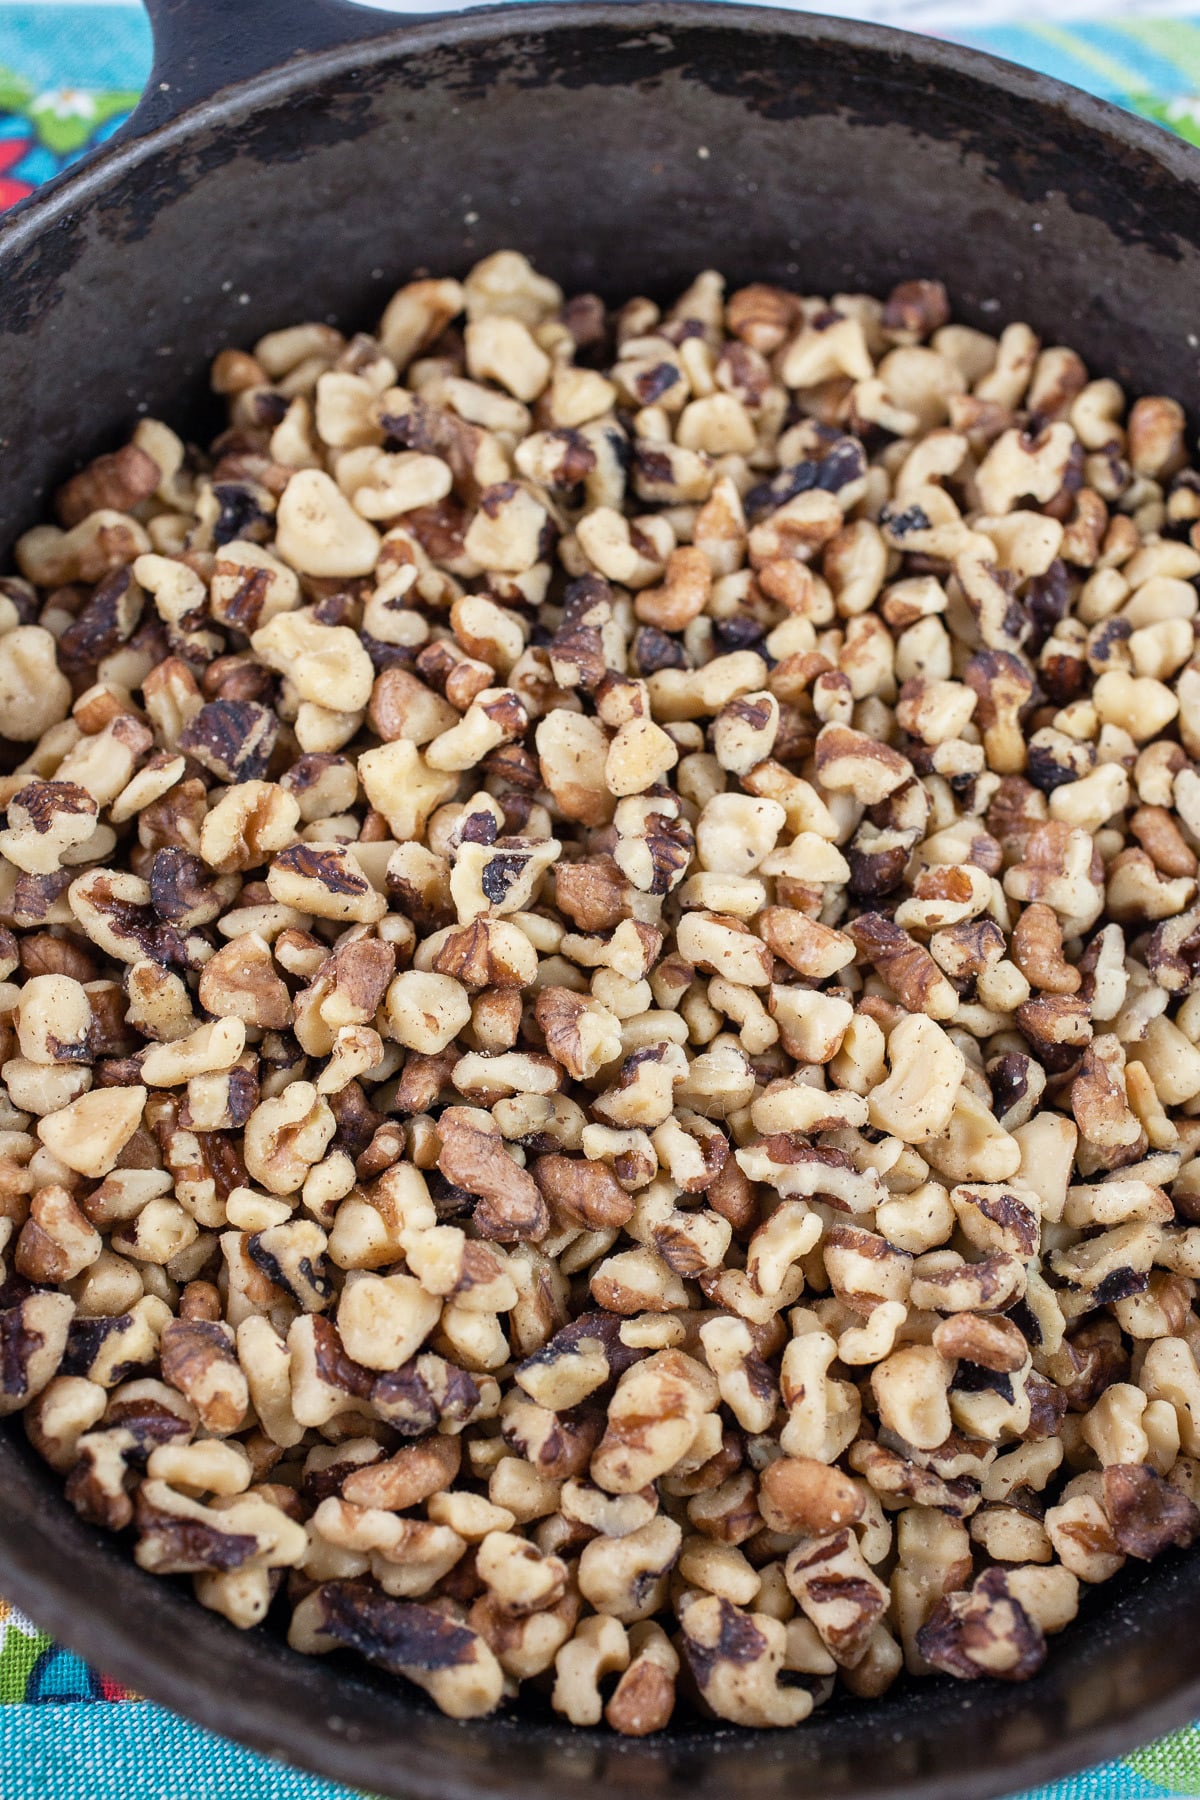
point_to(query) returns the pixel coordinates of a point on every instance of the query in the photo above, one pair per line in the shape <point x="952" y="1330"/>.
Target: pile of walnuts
<point x="599" y="998"/>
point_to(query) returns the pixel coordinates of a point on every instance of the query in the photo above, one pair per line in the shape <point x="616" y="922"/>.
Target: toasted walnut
<point x="326" y="880"/>
<point x="47" y="820"/>
<point x="1146" y="1514"/>
<point x="600" y="924"/>
<point x="836" y="1589"/>
<point x="644" y="1697"/>
<point x="584" y="1194"/>
<point x="848" y="761"/>
<point x="199" y="1358"/>
<point x="56" y="1242"/>
<point x="801" y="1495"/>
<point x="983" y="1631"/>
<point x="33" y="1338"/>
<point x="241" y="982"/>
<point x="737" y="1659"/>
<point x="905" y="965"/>
<point x="285" y="1135"/>
<point x="473" y="1156"/>
<point x="453" y="1664"/>
<point x="580" y="1034"/>
<point x="652" y="1419"/>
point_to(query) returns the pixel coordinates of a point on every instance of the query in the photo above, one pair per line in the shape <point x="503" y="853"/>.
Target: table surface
<point x="70" y="72"/>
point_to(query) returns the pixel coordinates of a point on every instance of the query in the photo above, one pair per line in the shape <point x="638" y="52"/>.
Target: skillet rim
<point x="58" y="200"/>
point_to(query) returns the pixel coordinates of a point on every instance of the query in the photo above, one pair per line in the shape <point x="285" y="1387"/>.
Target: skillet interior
<point x="624" y="148"/>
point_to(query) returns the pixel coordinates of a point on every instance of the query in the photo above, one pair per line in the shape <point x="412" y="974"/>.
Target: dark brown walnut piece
<point x="356" y="977"/>
<point x="108" y="620"/>
<point x="33" y="1338"/>
<point x="106" y="1349"/>
<point x="1146" y="1513"/>
<point x="241" y="981"/>
<point x="198" y="1358"/>
<point x="900" y="1478"/>
<point x="480" y="956"/>
<point x="1047" y="1408"/>
<point x="591" y="1334"/>
<point x="582" y="1193"/>
<point x="981" y="1631"/>
<point x="916" y="309"/>
<point x="233" y="739"/>
<point x="121" y="481"/>
<point x="451" y="1661"/>
<point x="184" y="891"/>
<point x="1018" y="1083"/>
<point x="332" y="1363"/>
<point x="425" y="1393"/>
<point x="406" y="1478"/>
<point x="804" y="1495"/>
<point x="1058" y="1029"/>
<point x="592" y="892"/>
<point x="1092" y="1357"/>
<point x="424" y="1081"/>
<point x="172" y="1543"/>
<point x="99" y="1484"/>
<point x="737" y="1641"/>
<point x="905" y="965"/>
<point x="559" y="1444"/>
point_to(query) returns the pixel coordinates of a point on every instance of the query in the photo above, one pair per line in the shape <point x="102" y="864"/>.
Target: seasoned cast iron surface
<point x="623" y="150"/>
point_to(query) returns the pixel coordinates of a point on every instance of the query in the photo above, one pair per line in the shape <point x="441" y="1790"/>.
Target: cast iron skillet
<point x="299" y="158"/>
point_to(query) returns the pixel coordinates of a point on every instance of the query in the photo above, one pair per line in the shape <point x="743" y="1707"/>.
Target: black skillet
<point x="299" y="158"/>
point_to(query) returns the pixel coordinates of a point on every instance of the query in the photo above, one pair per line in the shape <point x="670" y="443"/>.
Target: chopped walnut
<point x="1146" y="1513"/>
<point x="472" y="1156"/>
<point x="600" y="955"/>
<point x="983" y="1630"/>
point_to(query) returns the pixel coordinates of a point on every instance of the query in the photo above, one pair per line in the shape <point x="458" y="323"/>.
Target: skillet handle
<point x="202" y="46"/>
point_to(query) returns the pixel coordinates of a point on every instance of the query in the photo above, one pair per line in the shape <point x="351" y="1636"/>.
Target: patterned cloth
<point x="69" y="75"/>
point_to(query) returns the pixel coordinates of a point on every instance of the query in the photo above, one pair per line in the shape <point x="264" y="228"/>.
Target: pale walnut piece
<point x="600" y="977"/>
